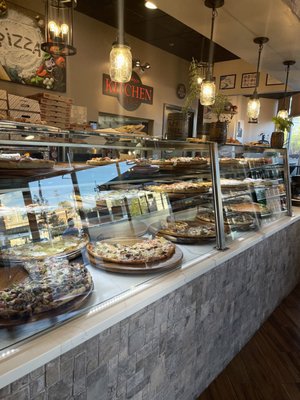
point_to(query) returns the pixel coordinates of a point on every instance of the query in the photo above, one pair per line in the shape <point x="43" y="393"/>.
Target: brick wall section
<point x="175" y="347"/>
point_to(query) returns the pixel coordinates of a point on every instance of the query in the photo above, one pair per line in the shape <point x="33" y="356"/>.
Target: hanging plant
<point x="282" y="124"/>
<point x="197" y="72"/>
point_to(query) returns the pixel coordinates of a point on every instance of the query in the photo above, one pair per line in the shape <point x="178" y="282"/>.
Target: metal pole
<point x="217" y="196"/>
<point x="286" y="173"/>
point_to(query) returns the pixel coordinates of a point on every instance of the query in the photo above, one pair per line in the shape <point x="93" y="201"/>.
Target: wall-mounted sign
<point x="21" y="58"/>
<point x="131" y="94"/>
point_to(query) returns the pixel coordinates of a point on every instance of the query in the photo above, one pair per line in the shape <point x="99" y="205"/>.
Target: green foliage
<point x="194" y="87"/>
<point x="282" y="124"/>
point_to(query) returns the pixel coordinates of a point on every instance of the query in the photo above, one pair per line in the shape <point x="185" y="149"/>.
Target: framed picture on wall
<point x="270" y="81"/>
<point x="248" y="80"/>
<point x="227" y="81"/>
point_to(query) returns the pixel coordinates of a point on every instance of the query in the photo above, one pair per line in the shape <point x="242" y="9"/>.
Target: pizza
<point x="16" y="161"/>
<point x="228" y="184"/>
<point x="187" y="229"/>
<point x="232" y="219"/>
<point x="133" y="251"/>
<point x="102" y="161"/>
<point x="49" y="285"/>
<point x="181" y="187"/>
<point x="248" y="208"/>
<point x="130" y="128"/>
<point x="232" y="162"/>
<point x="188" y="161"/>
<point x="62" y="246"/>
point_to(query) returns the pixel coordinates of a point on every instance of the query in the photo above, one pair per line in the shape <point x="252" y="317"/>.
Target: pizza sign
<point x="130" y="94"/>
<point x="21" y="58"/>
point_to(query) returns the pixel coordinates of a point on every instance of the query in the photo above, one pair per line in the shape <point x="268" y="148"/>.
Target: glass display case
<point x="87" y="216"/>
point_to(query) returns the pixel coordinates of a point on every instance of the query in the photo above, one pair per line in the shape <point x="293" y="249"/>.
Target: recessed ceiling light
<point x="151" y="5"/>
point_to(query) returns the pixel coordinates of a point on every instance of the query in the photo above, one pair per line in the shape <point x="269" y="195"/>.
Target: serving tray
<point x="160" y="266"/>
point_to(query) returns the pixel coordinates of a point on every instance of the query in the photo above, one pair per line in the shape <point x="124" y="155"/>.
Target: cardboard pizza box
<point x="3" y="94"/>
<point x="3" y="105"/>
<point x="20" y="103"/>
<point x="51" y="96"/>
<point x="28" y="116"/>
<point x="55" y="106"/>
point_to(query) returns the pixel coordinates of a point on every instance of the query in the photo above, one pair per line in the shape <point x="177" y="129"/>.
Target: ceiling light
<point x="151" y="5"/>
<point x="120" y="55"/>
<point x="253" y="106"/>
<point x="59" y="27"/>
<point x="284" y="112"/>
<point x="208" y="86"/>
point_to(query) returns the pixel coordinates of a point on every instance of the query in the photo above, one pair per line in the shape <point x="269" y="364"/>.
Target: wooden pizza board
<point x="154" y="229"/>
<point x="160" y="266"/>
<point x="15" y="275"/>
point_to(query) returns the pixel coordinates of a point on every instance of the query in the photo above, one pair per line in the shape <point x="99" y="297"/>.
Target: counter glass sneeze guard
<point x="105" y="188"/>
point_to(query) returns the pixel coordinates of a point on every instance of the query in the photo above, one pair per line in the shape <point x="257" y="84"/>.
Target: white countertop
<point x="21" y="359"/>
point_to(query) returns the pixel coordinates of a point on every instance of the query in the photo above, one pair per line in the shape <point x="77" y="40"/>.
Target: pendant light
<point x="120" y="55"/>
<point x="208" y="86"/>
<point x="253" y="107"/>
<point x="284" y="112"/>
<point x="59" y="27"/>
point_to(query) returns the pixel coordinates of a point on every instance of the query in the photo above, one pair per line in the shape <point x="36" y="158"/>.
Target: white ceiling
<point x="240" y="21"/>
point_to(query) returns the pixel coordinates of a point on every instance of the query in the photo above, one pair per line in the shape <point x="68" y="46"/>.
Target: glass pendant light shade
<point x="59" y="27"/>
<point x="283" y="114"/>
<point x="207" y="93"/>
<point x="120" y="63"/>
<point x="253" y="108"/>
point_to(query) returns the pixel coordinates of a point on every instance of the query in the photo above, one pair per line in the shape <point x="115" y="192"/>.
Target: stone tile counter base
<point x="173" y="348"/>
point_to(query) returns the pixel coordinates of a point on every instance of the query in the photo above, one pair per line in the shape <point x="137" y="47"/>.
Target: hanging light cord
<point x="286" y="84"/>
<point x="211" y="44"/>
<point x="257" y="69"/>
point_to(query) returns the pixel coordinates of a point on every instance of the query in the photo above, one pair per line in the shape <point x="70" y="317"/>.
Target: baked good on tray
<point x="248" y="208"/>
<point x="62" y="246"/>
<point x="102" y="161"/>
<point x="16" y="161"/>
<point x="181" y="187"/>
<point x="134" y="252"/>
<point x="49" y="285"/>
<point x="187" y="229"/>
<point x="232" y="219"/>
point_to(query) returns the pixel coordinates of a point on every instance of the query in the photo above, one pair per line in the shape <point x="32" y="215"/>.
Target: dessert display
<point x="102" y="161"/>
<point x="18" y="161"/>
<point x="46" y="286"/>
<point x="181" y="187"/>
<point x="62" y="246"/>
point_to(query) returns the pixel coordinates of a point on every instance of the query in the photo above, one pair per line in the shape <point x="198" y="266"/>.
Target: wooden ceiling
<point x="155" y="27"/>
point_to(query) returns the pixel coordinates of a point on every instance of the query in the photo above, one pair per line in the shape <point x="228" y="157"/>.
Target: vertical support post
<point x="217" y="196"/>
<point x="286" y="174"/>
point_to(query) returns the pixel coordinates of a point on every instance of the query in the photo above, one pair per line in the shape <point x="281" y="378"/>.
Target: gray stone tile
<point x="97" y="384"/>
<point x="60" y="390"/>
<point x="37" y="386"/>
<point x="136" y="340"/>
<point x="20" y="383"/>
<point x="5" y="391"/>
<point x="53" y="372"/>
<point x="37" y="373"/>
<point x="22" y="394"/>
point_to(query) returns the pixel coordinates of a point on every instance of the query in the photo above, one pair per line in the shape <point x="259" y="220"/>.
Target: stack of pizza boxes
<point x="3" y="104"/>
<point x="23" y="109"/>
<point x="55" y="109"/>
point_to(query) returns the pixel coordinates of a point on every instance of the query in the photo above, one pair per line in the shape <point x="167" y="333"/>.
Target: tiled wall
<point x="174" y="348"/>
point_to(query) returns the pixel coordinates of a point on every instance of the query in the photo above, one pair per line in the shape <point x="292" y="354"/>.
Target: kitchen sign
<point x="130" y="94"/>
<point x="21" y="58"/>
